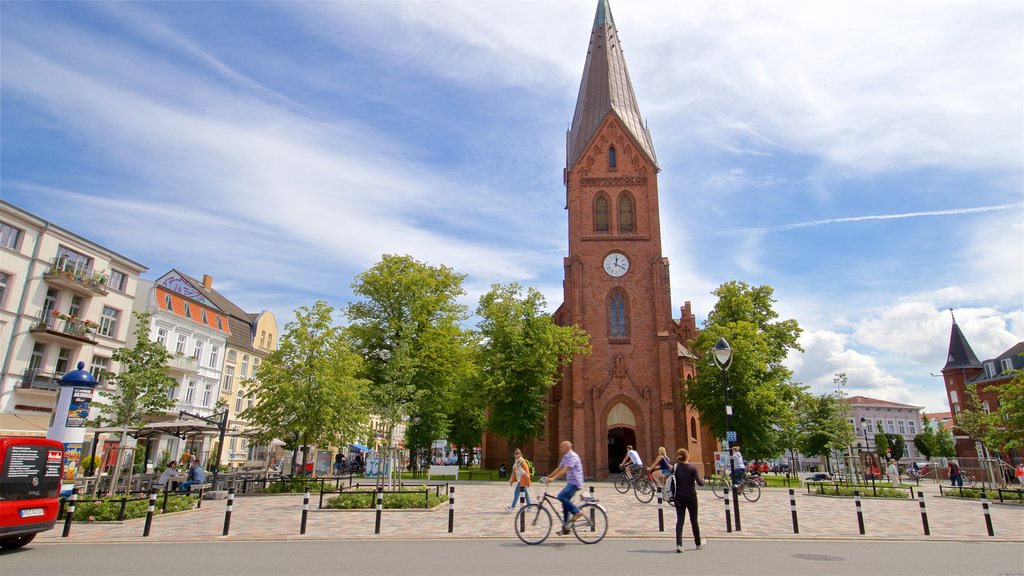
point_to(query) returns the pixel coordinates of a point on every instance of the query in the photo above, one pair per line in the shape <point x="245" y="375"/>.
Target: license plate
<point x="30" y="512"/>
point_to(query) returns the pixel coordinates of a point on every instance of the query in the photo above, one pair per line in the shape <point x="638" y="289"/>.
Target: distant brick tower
<point x="962" y="366"/>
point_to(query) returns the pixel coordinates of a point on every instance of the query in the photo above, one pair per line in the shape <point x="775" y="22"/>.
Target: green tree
<point x="139" y="388"/>
<point x="945" y="445"/>
<point x="308" y="390"/>
<point x="406" y="325"/>
<point x="521" y="352"/>
<point x="466" y="417"/>
<point x="1001" y="428"/>
<point x="761" y="390"/>
<point x="927" y="440"/>
<point x="825" y="427"/>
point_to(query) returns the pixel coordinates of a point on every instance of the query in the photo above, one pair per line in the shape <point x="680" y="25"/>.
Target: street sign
<point x="728" y="409"/>
<point x="730" y="435"/>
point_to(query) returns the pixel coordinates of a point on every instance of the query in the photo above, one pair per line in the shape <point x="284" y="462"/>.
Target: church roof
<point x="605" y="88"/>
<point x="960" y="353"/>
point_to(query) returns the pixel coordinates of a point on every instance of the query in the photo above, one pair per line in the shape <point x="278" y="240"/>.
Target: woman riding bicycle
<point x="663" y="466"/>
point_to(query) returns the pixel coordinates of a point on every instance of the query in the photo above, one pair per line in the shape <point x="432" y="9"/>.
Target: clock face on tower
<point x="616" y="264"/>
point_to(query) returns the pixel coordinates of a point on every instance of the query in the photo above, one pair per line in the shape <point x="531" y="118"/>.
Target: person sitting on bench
<point x="196" y="475"/>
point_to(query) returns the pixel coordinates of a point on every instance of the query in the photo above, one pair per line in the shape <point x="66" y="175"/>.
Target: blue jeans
<point x="737" y="475"/>
<point x="515" y="495"/>
<point x="956" y="480"/>
<point x="565" y="497"/>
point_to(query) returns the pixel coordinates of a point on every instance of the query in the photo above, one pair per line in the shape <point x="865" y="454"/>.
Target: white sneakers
<point x="703" y="544"/>
<point x="509" y="509"/>
<point x="679" y="549"/>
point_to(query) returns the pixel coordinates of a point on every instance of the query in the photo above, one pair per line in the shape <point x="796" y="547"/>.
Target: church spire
<point x="605" y="88"/>
<point x="960" y="353"/>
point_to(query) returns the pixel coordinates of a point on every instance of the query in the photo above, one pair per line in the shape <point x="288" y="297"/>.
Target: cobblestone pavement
<point x="479" y="513"/>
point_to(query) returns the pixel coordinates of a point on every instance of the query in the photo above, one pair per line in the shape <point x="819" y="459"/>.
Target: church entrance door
<point x="618" y="439"/>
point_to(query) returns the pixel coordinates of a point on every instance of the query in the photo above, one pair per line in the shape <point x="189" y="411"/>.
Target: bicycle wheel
<point x="533" y="523"/>
<point x="970" y="480"/>
<point x="718" y="486"/>
<point x="751" y="491"/>
<point x="593" y="526"/>
<point x="622" y="485"/>
<point x="644" y="490"/>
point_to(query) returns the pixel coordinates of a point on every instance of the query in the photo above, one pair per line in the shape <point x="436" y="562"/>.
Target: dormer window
<point x="611" y="157"/>
<point x="990" y="369"/>
<point x="1006" y="364"/>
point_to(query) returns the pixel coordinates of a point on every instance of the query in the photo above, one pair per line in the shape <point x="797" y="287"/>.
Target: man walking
<point x="572" y="468"/>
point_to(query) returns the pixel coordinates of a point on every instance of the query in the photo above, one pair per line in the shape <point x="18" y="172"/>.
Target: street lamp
<point x="867" y="446"/>
<point x="723" y="358"/>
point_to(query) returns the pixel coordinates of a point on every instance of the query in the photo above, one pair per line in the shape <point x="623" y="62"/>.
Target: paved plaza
<point x="479" y="514"/>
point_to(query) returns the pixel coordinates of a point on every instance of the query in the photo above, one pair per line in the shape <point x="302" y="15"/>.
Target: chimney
<point x="208" y="281"/>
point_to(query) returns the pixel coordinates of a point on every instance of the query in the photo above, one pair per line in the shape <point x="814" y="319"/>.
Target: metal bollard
<point x="380" y="506"/>
<point x="736" y="506"/>
<point x="227" y="511"/>
<point x="163" y="508"/>
<point x="451" y="509"/>
<point x="924" y="514"/>
<point x="728" y="511"/>
<point x="988" y="514"/>
<point x="860" y="512"/>
<point x="70" y="514"/>
<point x="792" y="510"/>
<point x="149" y="514"/>
<point x="305" y="512"/>
<point x="661" y="510"/>
<point x="593" y="524"/>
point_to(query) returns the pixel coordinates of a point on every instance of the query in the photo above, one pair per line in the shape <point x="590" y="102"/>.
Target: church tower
<point x="616" y="287"/>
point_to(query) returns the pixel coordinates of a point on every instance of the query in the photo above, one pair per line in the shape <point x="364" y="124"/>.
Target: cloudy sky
<point x="864" y="158"/>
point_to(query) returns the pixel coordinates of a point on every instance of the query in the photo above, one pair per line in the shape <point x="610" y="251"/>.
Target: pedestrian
<point x="953" y="469"/>
<point x="171" y="471"/>
<point x="739" y="468"/>
<point x="663" y="465"/>
<point x="196" y="475"/>
<point x="631" y="463"/>
<point x="687" y="478"/>
<point x="1020" y="474"/>
<point x="893" y="472"/>
<point x="521" y="478"/>
<point x="572" y="468"/>
<point x="339" y="460"/>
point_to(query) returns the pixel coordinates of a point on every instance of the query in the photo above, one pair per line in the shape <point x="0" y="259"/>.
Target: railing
<point x="77" y="272"/>
<point x="183" y="363"/>
<point x="37" y="380"/>
<point x="1004" y="495"/>
<point x="840" y="488"/>
<point x="66" y="325"/>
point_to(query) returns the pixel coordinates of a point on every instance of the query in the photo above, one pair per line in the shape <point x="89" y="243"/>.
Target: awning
<point x="360" y="447"/>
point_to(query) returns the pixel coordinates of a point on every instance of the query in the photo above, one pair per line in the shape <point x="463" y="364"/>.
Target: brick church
<point x="616" y="287"/>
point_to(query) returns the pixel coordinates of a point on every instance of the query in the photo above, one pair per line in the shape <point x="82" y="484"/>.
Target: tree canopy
<point x="761" y="390"/>
<point x="520" y="353"/>
<point x="140" y="386"/>
<point x="1001" y="428"/>
<point x="309" y="386"/>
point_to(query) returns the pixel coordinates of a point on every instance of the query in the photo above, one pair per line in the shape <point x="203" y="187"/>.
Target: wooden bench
<point x="436" y="470"/>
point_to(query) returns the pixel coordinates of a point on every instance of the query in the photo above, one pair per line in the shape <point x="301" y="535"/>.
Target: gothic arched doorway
<point x="621" y="433"/>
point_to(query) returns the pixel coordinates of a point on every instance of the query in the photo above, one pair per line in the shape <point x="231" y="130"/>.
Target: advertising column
<point x="69" y="417"/>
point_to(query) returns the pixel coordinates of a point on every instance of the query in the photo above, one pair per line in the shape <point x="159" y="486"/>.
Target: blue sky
<point x="865" y="159"/>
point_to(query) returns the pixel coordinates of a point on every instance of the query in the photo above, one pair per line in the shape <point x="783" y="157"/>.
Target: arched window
<point x="693" y="429"/>
<point x="611" y="157"/>
<point x="626" y="215"/>
<point x="617" y="309"/>
<point x="601" y="225"/>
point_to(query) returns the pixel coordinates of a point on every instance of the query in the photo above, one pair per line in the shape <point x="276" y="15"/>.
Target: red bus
<point x="30" y="478"/>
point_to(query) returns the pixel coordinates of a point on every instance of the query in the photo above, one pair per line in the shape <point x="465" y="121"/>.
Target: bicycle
<point x="750" y="489"/>
<point x="533" y="521"/>
<point x="641" y="482"/>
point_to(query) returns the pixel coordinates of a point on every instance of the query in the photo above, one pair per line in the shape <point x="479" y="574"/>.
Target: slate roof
<point x="238" y="319"/>
<point x="1016" y="361"/>
<point x="605" y="88"/>
<point x="960" y="354"/>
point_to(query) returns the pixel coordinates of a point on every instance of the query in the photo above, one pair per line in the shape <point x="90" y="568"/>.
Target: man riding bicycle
<point x="572" y="467"/>
<point x="740" y="469"/>
<point x="636" y="464"/>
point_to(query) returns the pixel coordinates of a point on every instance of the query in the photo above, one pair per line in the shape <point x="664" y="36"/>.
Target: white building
<point x="901" y="419"/>
<point x="63" y="299"/>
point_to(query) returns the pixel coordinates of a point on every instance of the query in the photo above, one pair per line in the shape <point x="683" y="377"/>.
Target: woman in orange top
<point x="521" y="478"/>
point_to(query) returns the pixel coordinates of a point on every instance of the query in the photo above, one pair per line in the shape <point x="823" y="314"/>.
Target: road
<point x="509" y="557"/>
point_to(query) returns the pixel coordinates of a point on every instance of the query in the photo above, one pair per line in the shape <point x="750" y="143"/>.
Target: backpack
<point x="670" y="486"/>
<point x="529" y="466"/>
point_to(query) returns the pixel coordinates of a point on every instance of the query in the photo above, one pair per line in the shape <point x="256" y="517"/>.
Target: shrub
<point x="391" y="500"/>
<point x="830" y="490"/>
<point x="109" y="509"/>
<point x="294" y="485"/>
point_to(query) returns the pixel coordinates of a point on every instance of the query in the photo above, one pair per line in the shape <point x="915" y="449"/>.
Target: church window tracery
<point x="601" y="220"/>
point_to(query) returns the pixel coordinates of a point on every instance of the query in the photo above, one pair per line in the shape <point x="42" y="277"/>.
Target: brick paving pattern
<point x="479" y="513"/>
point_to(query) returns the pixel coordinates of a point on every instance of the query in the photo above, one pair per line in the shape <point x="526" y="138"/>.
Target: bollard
<point x="70" y="514"/>
<point x="227" y="511"/>
<point x="860" y="512"/>
<point x="149" y="514"/>
<point x="451" y="509"/>
<point x="124" y="507"/>
<point x="305" y="512"/>
<point x="728" y="511"/>
<point x="792" y="510"/>
<point x="924" y="514"/>
<point x="661" y="511"/>
<point x="593" y="525"/>
<point x="163" y="508"/>
<point x="380" y="506"/>
<point x="988" y="514"/>
<point x="736" y="506"/>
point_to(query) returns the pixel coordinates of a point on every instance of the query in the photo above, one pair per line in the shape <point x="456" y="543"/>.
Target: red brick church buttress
<point x="616" y="287"/>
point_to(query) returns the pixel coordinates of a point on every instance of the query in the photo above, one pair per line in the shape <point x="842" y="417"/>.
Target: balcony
<point x="62" y="326"/>
<point x="37" y="380"/>
<point x="76" y="276"/>
<point x="183" y="364"/>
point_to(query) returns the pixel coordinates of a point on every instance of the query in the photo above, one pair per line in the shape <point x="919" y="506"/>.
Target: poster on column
<point x="72" y="456"/>
<point x="78" y="411"/>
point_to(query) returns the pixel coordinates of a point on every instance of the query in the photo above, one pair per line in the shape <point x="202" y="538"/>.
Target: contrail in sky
<point x="787" y="227"/>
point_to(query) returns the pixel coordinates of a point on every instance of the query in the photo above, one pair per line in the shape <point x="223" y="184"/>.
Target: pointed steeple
<point x="605" y="88"/>
<point x="960" y="353"/>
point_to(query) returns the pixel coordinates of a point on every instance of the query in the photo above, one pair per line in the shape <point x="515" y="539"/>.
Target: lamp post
<point x="868" y="464"/>
<point x="723" y="358"/>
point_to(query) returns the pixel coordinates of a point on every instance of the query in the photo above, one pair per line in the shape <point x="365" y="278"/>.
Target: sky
<point x="866" y="159"/>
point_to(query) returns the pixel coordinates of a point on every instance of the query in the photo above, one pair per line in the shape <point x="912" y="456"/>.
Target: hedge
<point x="391" y="500"/>
<point x="830" y="490"/>
<point x="89" y="509"/>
